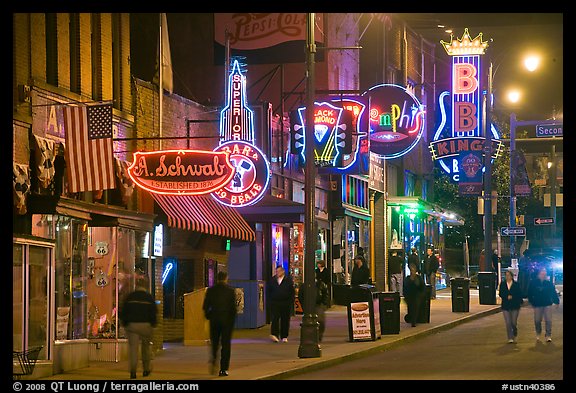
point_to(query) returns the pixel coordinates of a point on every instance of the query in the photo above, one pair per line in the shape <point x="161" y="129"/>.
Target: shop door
<point x="31" y="297"/>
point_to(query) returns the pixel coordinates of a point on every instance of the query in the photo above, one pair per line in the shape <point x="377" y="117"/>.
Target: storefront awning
<point x="203" y="214"/>
<point x="273" y="209"/>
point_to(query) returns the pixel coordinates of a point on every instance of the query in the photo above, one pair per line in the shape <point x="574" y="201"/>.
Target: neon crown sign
<point x="461" y="132"/>
<point x="236" y="173"/>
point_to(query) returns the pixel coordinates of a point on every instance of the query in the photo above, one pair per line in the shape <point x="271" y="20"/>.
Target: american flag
<point x="89" y="158"/>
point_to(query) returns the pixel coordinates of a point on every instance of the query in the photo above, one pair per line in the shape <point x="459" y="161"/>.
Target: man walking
<point x="280" y="293"/>
<point x="220" y="309"/>
<point x="138" y="316"/>
<point x="541" y="295"/>
<point x="395" y="272"/>
<point x="431" y="266"/>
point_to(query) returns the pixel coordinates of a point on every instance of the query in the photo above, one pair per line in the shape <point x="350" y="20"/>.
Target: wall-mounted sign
<point x="183" y="172"/>
<point x="236" y="173"/>
<point x="340" y="135"/>
<point x="251" y="175"/>
<point x="158" y="240"/>
<point x="460" y="131"/>
<point x="396" y="120"/>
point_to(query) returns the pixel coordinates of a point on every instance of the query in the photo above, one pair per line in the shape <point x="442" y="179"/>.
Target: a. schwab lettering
<point x="189" y="172"/>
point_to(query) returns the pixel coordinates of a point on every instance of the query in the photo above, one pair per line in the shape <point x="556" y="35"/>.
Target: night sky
<point x="513" y="36"/>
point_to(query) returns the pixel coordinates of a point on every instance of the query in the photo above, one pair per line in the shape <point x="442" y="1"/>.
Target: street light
<point x="514" y="96"/>
<point x="532" y="62"/>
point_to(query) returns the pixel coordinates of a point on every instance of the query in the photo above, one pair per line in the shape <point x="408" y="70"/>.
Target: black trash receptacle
<point x="460" y="294"/>
<point x="487" y="287"/>
<point x="424" y="314"/>
<point x="389" y="303"/>
<point x="340" y="294"/>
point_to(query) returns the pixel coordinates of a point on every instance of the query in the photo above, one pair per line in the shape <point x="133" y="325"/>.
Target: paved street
<point x="475" y="350"/>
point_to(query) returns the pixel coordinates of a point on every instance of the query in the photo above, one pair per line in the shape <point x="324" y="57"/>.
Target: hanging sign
<point x="460" y="134"/>
<point x="396" y="120"/>
<point x="236" y="173"/>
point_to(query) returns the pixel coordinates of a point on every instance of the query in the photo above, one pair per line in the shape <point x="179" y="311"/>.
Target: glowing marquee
<point x="396" y="120"/>
<point x="339" y="135"/>
<point x="463" y="133"/>
<point x="183" y="172"/>
<point x="236" y="173"/>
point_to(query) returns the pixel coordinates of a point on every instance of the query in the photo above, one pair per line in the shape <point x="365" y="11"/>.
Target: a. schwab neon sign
<point x="464" y="132"/>
<point x="236" y="173"/>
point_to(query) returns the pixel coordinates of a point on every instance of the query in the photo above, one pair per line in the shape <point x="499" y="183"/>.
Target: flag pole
<point x="160" y="87"/>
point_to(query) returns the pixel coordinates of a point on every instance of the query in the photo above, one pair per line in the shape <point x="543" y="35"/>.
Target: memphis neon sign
<point x="396" y="120"/>
<point x="236" y="173"/>
<point x="464" y="130"/>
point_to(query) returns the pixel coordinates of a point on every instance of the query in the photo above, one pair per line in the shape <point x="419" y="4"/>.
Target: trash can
<point x="460" y="294"/>
<point x="340" y="294"/>
<point x="389" y="312"/>
<point x="363" y="313"/>
<point x="487" y="287"/>
<point x="424" y="315"/>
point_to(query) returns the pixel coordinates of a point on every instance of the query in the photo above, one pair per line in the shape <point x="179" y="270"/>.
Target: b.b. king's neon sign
<point x="464" y="133"/>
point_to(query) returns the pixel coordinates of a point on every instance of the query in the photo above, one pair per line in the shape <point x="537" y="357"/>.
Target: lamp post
<point x="309" y="347"/>
<point x="488" y="167"/>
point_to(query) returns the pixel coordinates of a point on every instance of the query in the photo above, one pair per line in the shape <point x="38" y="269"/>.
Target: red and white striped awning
<point x="203" y="214"/>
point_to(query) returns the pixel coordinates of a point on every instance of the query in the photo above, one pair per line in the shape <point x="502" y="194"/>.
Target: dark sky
<point x="513" y="36"/>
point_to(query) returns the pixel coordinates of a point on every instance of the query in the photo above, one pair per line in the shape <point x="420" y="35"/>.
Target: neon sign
<point x="236" y="173"/>
<point x="250" y="178"/>
<point x="166" y="272"/>
<point x="236" y="119"/>
<point x="339" y="135"/>
<point x="184" y="172"/>
<point x="461" y="135"/>
<point x="396" y="120"/>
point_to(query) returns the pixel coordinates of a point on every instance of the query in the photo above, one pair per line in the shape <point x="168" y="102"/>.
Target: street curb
<point x="321" y="364"/>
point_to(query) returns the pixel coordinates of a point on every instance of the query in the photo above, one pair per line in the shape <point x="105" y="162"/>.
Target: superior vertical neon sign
<point x="236" y="119"/>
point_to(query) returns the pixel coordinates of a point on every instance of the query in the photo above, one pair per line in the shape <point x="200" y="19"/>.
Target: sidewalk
<point x="254" y="356"/>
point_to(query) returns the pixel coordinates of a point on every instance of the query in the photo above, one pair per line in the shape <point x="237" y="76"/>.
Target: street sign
<point x="513" y="231"/>
<point x="547" y="130"/>
<point x="544" y="221"/>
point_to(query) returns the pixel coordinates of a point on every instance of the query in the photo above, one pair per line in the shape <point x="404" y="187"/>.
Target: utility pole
<point x="488" y="169"/>
<point x="513" y="163"/>
<point x="309" y="347"/>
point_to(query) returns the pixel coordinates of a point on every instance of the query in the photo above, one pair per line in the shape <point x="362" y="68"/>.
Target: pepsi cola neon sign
<point x="236" y="173"/>
<point x="460" y="131"/>
<point x="396" y="120"/>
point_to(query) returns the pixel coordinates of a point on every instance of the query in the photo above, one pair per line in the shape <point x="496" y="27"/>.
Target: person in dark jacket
<point x="280" y="294"/>
<point x="413" y="294"/>
<point x="322" y="300"/>
<point x="431" y="265"/>
<point x="360" y="273"/>
<point x="395" y="265"/>
<point x="138" y="316"/>
<point x="495" y="259"/>
<point x="413" y="258"/>
<point x="541" y="295"/>
<point x="322" y="273"/>
<point x="511" y="295"/>
<point x="220" y="309"/>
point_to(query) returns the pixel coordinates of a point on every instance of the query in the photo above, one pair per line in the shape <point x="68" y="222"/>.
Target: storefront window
<point x="117" y="257"/>
<point x="72" y="270"/>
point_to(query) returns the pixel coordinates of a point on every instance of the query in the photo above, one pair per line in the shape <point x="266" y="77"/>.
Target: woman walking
<point x="511" y="295"/>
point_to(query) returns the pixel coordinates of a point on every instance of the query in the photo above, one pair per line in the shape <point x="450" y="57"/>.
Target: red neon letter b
<point x="465" y="81"/>
<point x="465" y="118"/>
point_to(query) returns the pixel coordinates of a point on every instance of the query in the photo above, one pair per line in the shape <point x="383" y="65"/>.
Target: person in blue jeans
<point x="541" y="295"/>
<point x="511" y="295"/>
